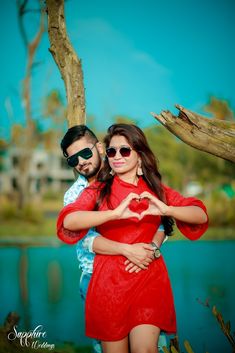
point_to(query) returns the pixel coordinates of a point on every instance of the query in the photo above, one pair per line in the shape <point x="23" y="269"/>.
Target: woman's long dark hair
<point x="151" y="174"/>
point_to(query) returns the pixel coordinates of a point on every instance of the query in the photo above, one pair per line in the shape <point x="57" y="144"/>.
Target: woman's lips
<point x="116" y="165"/>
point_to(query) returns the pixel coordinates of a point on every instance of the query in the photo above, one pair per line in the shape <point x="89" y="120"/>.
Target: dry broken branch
<point x="214" y="136"/>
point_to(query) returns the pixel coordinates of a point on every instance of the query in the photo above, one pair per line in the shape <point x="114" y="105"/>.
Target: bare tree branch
<point x="21" y="11"/>
<point x="210" y="135"/>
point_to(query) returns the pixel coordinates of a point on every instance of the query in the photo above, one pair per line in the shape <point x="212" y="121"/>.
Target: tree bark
<point x="214" y="136"/>
<point x="67" y="61"/>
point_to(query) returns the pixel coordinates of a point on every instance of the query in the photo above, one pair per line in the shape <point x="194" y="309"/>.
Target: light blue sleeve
<point x="86" y="244"/>
<point x="161" y="229"/>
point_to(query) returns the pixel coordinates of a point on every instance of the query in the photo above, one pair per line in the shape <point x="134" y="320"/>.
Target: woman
<point x="127" y="205"/>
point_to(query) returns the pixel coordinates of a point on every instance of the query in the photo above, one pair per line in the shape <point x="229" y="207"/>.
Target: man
<point x="84" y="153"/>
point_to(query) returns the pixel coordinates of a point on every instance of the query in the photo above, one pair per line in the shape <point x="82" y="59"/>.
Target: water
<point x="41" y="284"/>
<point x="202" y="272"/>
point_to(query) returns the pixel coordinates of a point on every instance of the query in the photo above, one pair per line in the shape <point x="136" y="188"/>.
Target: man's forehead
<point x="78" y="145"/>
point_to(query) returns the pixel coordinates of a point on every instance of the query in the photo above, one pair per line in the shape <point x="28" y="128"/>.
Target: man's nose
<point x="82" y="161"/>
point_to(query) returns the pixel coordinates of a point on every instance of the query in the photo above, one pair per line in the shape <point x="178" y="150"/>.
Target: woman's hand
<point x="123" y="211"/>
<point x="156" y="206"/>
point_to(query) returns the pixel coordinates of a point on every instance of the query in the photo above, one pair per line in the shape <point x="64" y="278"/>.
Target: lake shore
<point x="45" y="234"/>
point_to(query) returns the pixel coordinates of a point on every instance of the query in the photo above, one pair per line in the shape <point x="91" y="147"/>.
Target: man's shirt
<point x="84" y="249"/>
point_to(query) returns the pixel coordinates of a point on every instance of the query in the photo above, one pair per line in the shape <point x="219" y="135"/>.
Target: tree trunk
<point x="67" y="61"/>
<point x="214" y="136"/>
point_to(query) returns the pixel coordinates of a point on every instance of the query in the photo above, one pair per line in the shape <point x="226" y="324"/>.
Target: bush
<point x="220" y="209"/>
<point x="29" y="213"/>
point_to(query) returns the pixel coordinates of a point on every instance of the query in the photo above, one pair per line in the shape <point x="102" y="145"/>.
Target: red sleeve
<point x="85" y="202"/>
<point x="190" y="230"/>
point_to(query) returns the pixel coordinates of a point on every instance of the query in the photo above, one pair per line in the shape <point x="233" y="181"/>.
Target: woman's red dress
<point x="117" y="300"/>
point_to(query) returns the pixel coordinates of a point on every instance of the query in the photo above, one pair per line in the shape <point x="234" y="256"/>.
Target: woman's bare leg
<point x="115" y="346"/>
<point x="144" y="338"/>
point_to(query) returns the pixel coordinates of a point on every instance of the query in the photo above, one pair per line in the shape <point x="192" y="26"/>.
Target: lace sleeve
<point x="85" y="202"/>
<point x="190" y="230"/>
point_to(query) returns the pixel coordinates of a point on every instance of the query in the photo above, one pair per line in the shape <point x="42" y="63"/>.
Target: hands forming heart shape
<point x="138" y="205"/>
<point x="143" y="204"/>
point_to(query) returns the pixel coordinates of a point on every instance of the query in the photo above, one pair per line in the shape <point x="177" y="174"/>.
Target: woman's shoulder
<point x="95" y="184"/>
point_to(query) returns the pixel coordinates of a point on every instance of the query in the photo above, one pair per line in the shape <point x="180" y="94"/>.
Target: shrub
<point x="29" y="213"/>
<point x="220" y="209"/>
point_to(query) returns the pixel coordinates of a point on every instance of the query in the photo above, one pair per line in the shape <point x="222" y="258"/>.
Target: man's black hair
<point x="75" y="133"/>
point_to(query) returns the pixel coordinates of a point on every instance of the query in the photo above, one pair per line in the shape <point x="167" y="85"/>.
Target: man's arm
<point x="140" y="254"/>
<point x="158" y="238"/>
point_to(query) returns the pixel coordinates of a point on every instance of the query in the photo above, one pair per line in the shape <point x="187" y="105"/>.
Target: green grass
<point x="23" y="228"/>
<point x="47" y="228"/>
<point x="39" y="220"/>
<point x="213" y="233"/>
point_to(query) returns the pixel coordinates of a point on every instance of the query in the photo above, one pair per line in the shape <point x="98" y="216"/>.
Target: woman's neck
<point x="129" y="178"/>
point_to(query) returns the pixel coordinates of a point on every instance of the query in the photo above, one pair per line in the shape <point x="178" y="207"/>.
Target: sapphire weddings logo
<point x="34" y="338"/>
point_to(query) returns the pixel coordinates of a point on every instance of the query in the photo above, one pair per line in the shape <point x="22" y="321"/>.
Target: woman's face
<point x="121" y="162"/>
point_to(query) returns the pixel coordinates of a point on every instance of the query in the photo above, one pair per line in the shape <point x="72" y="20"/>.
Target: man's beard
<point x="91" y="173"/>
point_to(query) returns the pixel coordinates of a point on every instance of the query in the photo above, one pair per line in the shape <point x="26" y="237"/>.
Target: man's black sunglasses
<point x="86" y="153"/>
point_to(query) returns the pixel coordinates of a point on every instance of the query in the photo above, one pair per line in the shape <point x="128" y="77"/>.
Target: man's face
<point x="87" y="167"/>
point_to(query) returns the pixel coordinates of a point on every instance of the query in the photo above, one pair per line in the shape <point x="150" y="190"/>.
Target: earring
<point x="139" y="171"/>
<point x="112" y="172"/>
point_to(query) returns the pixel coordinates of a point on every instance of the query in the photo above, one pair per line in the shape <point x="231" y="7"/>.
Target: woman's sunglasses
<point x="124" y="151"/>
<point x="86" y="153"/>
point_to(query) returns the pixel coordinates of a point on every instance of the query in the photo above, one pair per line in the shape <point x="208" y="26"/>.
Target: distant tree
<point x="26" y="137"/>
<point x="180" y="164"/>
<point x="54" y="113"/>
<point x="44" y="129"/>
<point x="219" y="108"/>
<point x="3" y="149"/>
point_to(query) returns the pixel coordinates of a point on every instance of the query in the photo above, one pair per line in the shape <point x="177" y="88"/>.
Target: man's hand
<point x="138" y="255"/>
<point x="130" y="267"/>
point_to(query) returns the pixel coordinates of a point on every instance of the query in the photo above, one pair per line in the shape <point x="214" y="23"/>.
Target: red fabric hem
<point x="167" y="332"/>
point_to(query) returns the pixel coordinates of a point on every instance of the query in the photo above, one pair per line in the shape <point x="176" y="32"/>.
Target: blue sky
<point x="138" y="57"/>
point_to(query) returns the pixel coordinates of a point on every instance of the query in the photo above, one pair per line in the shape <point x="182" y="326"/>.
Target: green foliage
<point x="121" y="119"/>
<point x="180" y="163"/>
<point x="53" y="195"/>
<point x="220" y="209"/>
<point x="29" y="212"/>
<point x="22" y="228"/>
<point x="219" y="108"/>
<point x="166" y="149"/>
